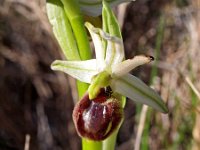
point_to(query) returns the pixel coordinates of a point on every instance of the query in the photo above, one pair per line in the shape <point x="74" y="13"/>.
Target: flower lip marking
<point x="96" y="119"/>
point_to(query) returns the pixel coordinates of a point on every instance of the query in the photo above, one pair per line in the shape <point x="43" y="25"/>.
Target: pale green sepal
<point x="81" y="70"/>
<point x="94" y="7"/>
<point x="62" y="29"/>
<point x="99" y="50"/>
<point x="138" y="91"/>
<point x="98" y="82"/>
<point x="126" y="66"/>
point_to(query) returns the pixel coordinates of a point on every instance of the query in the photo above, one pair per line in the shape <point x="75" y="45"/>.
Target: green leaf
<point x="62" y="29"/>
<point x="81" y="70"/>
<point x="138" y="91"/>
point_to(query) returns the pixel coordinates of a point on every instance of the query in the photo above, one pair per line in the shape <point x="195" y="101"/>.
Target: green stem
<point x="109" y="144"/>
<point x="76" y="20"/>
<point x="91" y="145"/>
<point x="81" y="87"/>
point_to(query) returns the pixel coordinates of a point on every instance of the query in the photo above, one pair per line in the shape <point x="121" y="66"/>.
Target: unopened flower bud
<point x="96" y="119"/>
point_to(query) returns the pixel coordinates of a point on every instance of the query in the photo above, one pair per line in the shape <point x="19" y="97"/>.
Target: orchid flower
<point x="110" y="69"/>
<point x="94" y="7"/>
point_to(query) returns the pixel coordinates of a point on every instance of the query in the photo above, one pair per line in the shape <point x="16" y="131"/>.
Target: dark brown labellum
<point x="96" y="119"/>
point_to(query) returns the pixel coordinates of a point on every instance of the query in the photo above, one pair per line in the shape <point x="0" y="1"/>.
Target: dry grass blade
<point x="189" y="82"/>
<point x="140" y="127"/>
<point x="27" y="142"/>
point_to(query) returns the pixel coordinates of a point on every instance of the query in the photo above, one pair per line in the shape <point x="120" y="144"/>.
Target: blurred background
<point x="36" y="103"/>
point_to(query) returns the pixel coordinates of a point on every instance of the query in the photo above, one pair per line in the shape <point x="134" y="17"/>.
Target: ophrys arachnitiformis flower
<point x="110" y="69"/>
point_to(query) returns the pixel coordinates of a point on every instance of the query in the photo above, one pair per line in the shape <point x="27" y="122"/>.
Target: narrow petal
<point x="114" y="50"/>
<point x="81" y="70"/>
<point x="135" y="89"/>
<point x="119" y="56"/>
<point x="97" y="40"/>
<point x="94" y="7"/>
<point x="110" y="53"/>
<point x="126" y="66"/>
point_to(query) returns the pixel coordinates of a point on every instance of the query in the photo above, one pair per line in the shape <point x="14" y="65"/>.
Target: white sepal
<point x="126" y="66"/>
<point x="97" y="40"/>
<point x="81" y="70"/>
<point x="138" y="91"/>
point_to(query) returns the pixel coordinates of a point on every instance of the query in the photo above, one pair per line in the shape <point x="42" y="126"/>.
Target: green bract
<point x="62" y="29"/>
<point x="109" y="69"/>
